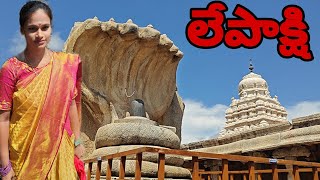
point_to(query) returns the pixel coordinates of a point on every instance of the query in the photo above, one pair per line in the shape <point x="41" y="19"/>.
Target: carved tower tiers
<point x="255" y="108"/>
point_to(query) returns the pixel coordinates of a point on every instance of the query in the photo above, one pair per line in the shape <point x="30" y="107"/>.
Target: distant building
<point x="257" y="125"/>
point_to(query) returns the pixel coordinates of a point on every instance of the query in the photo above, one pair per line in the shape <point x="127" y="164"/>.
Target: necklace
<point x="33" y="69"/>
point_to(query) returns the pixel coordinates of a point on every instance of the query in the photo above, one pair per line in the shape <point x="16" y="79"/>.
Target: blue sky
<point x="206" y="78"/>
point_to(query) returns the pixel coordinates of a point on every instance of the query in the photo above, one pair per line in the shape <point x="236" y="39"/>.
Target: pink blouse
<point x="11" y="73"/>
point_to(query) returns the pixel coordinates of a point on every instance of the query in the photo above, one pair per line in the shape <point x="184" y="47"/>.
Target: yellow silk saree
<point x="40" y="138"/>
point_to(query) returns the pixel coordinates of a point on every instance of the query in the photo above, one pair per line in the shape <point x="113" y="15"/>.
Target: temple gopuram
<point x="257" y="125"/>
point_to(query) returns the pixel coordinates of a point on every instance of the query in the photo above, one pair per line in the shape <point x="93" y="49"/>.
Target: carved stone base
<point x="116" y="134"/>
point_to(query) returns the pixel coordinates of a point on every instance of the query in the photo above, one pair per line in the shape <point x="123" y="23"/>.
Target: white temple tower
<point x="255" y="108"/>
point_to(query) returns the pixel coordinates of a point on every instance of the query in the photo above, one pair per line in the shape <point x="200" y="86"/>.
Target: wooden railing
<point x="197" y="174"/>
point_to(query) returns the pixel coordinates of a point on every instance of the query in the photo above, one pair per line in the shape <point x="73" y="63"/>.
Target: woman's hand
<point x="79" y="150"/>
<point x="10" y="176"/>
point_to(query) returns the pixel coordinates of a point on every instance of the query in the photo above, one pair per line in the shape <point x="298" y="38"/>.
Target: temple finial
<point x="251" y="66"/>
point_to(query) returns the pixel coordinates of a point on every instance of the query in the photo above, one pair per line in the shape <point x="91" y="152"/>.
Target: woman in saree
<point x="39" y="105"/>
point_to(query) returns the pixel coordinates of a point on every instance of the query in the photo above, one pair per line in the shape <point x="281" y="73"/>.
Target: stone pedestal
<point x="135" y="132"/>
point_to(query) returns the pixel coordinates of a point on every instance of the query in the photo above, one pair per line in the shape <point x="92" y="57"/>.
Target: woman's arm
<point x="75" y="120"/>
<point x="4" y="137"/>
<point x="76" y="128"/>
<point x="4" y="147"/>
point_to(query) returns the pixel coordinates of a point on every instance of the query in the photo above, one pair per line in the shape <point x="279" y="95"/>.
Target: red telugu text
<point x="292" y="33"/>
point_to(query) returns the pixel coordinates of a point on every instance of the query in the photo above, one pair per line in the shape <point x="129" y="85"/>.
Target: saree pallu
<point x="40" y="146"/>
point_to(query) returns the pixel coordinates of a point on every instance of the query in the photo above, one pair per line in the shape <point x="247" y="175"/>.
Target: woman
<point x="39" y="105"/>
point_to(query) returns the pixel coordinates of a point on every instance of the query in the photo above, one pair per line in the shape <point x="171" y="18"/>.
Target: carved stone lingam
<point x="136" y="131"/>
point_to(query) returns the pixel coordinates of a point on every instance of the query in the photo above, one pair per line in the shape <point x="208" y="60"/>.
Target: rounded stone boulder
<point x="116" y="134"/>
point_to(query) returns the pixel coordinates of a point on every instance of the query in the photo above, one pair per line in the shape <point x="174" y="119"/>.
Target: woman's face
<point x="37" y="30"/>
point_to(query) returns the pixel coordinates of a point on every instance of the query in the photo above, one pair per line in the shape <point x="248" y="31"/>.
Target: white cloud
<point x="201" y="122"/>
<point x="56" y="43"/>
<point x="18" y="43"/>
<point x="303" y="109"/>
